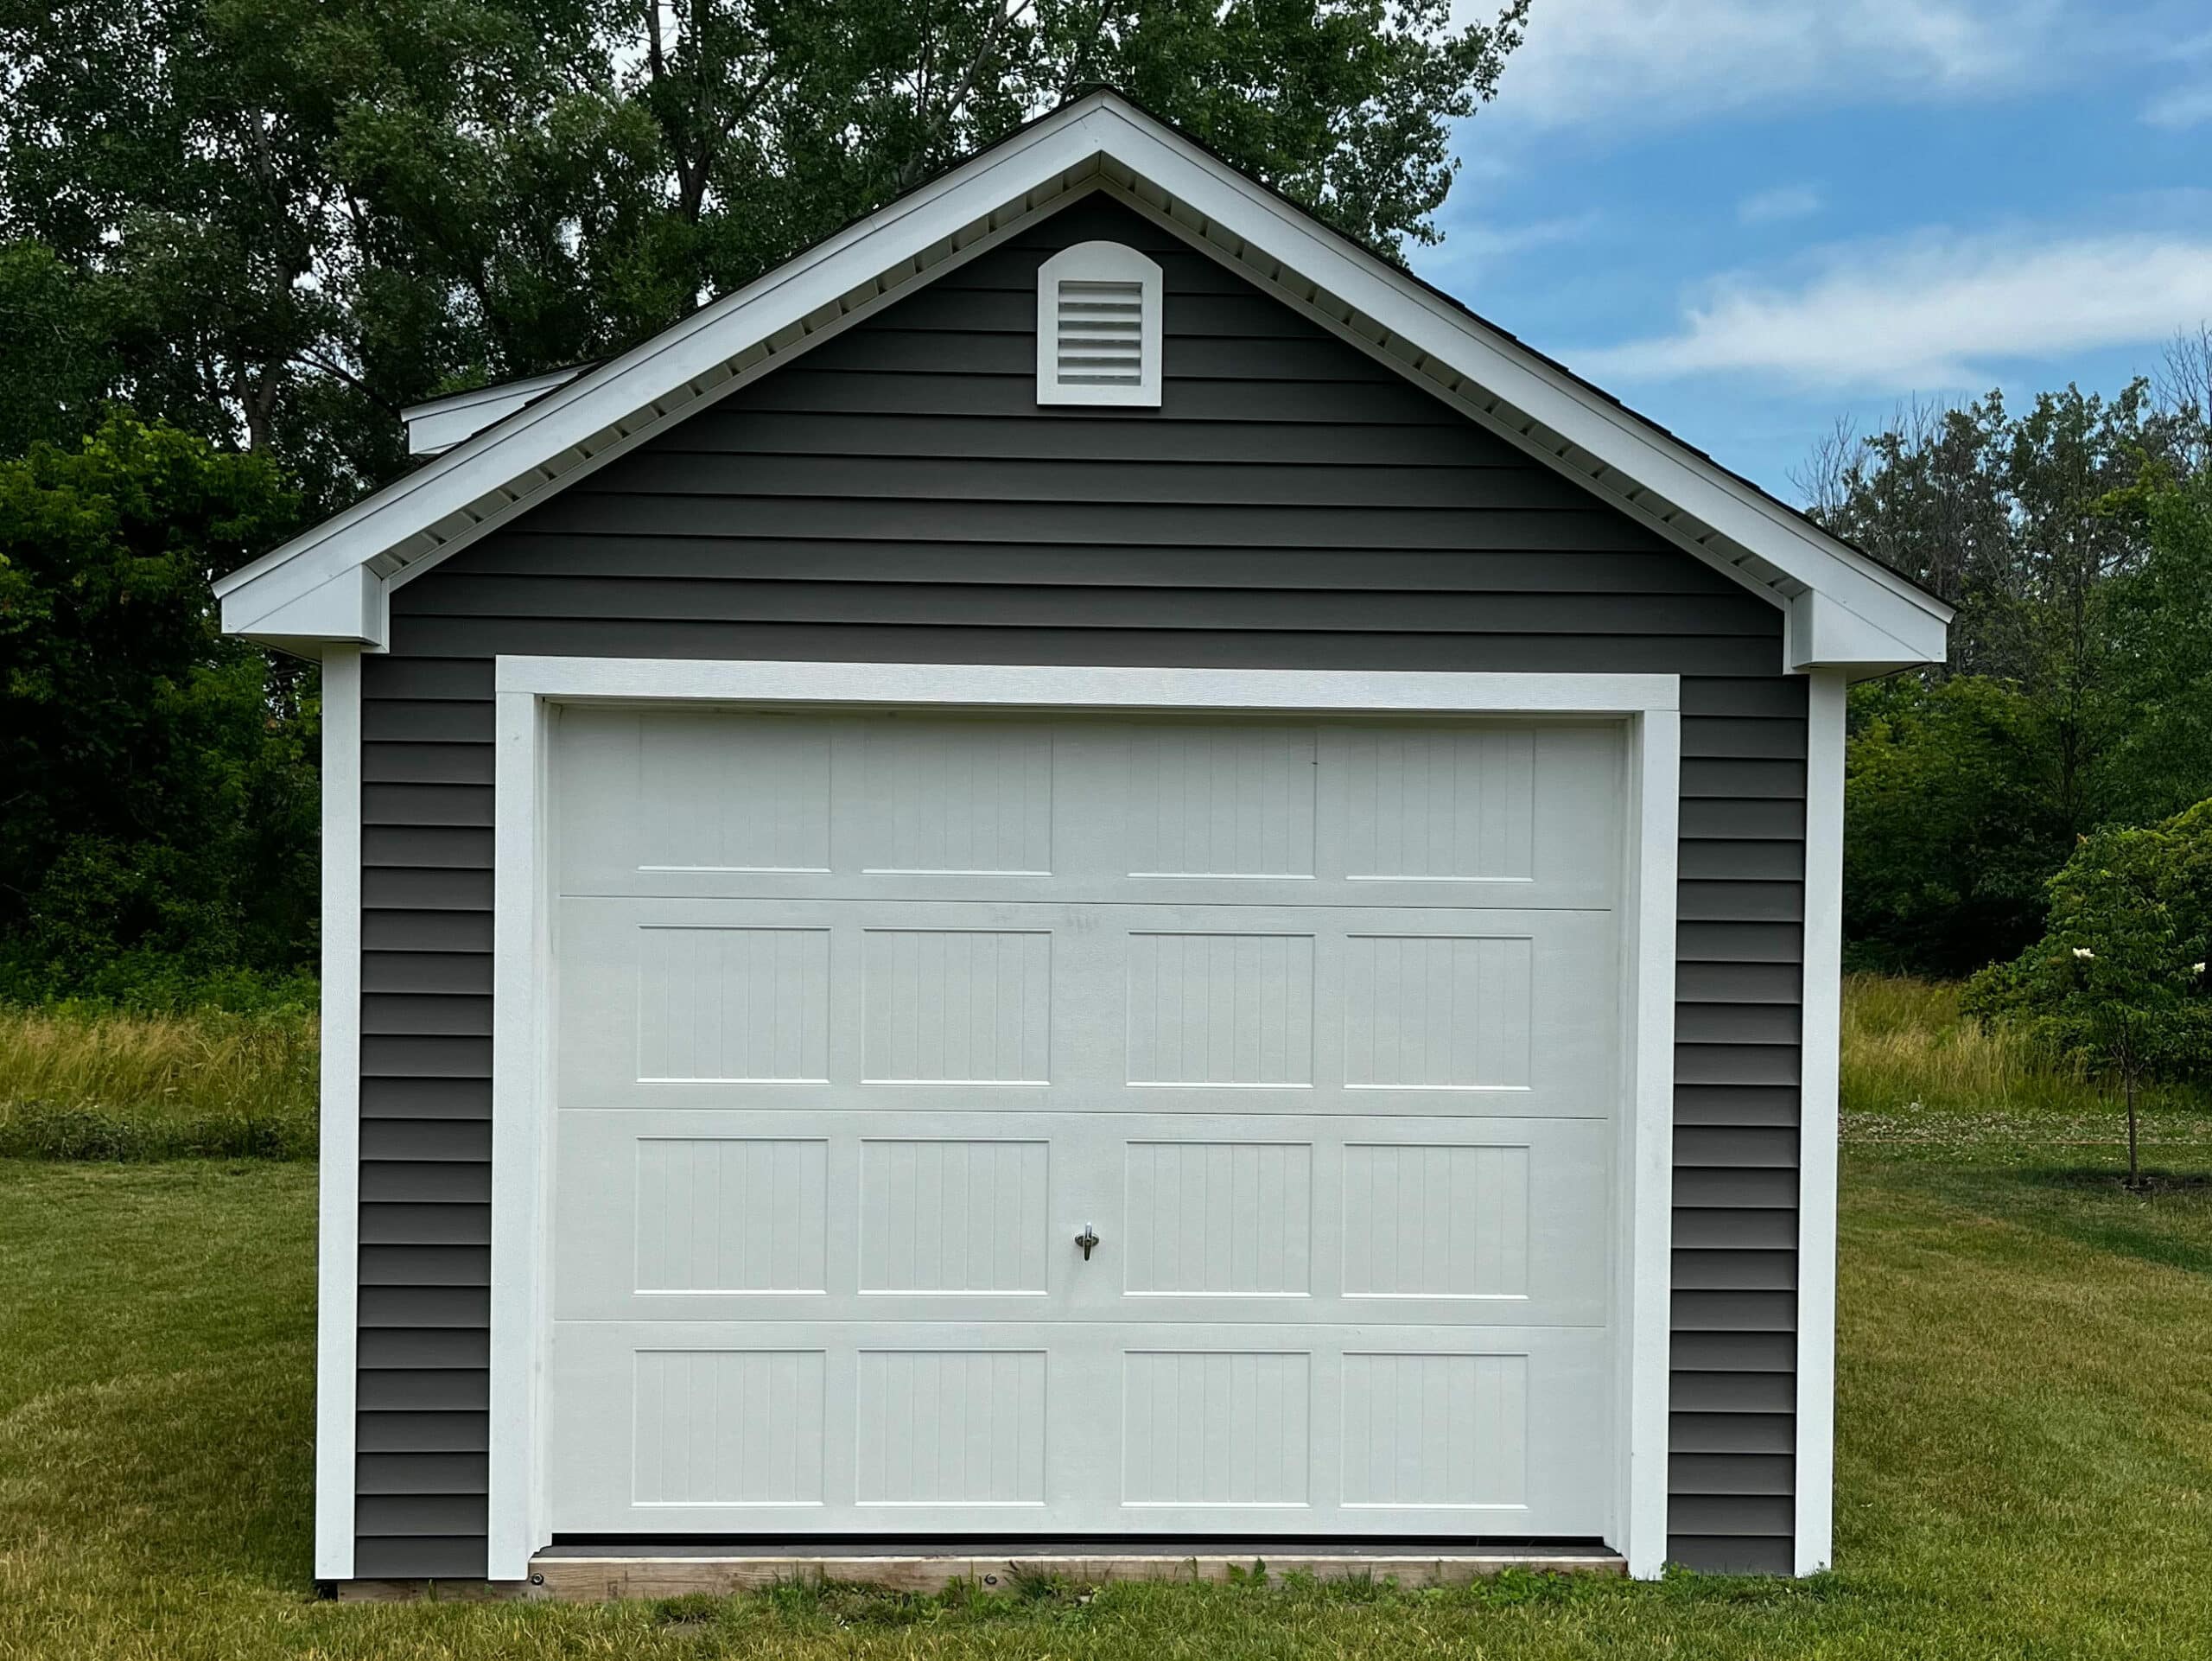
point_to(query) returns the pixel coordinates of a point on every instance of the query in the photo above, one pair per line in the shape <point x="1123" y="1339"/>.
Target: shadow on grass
<point x="2166" y="1219"/>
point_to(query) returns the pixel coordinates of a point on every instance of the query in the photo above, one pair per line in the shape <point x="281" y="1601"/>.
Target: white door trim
<point x="529" y="689"/>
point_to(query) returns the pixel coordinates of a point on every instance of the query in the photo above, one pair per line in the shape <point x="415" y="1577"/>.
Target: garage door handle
<point x="1088" y="1240"/>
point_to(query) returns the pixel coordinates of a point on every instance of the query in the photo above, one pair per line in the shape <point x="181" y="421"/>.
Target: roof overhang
<point x="434" y="427"/>
<point x="525" y="440"/>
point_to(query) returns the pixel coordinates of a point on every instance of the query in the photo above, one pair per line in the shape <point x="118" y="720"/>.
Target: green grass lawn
<point x="2024" y="1459"/>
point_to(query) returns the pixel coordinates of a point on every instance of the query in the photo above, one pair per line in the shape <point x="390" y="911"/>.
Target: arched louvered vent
<point x="1098" y="327"/>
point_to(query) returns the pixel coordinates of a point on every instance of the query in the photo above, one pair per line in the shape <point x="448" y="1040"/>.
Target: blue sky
<point x="1748" y="218"/>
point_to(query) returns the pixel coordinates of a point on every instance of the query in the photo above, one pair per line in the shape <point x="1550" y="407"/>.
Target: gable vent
<point x="1100" y="341"/>
<point x="1098" y="327"/>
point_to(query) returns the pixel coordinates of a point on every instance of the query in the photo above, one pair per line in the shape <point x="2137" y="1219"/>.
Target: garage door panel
<point x="705" y="1214"/>
<point x="754" y="804"/>
<point x="1081" y="1125"/>
<point x="811" y="1427"/>
<point x="1068" y="1006"/>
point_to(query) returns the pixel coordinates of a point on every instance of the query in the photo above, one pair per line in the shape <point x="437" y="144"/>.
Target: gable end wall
<point x="896" y="495"/>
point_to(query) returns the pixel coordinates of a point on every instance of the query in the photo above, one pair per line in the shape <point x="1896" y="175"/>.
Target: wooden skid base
<point x="587" y="1579"/>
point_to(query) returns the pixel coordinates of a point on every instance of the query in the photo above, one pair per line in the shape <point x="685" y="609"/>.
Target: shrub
<point x="2118" y="981"/>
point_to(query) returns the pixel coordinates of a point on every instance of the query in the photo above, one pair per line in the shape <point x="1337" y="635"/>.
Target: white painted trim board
<point x="528" y="692"/>
<point x="1820" y="1038"/>
<point x="338" y="1246"/>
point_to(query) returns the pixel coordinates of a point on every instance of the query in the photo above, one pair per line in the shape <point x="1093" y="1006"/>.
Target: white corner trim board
<point x="531" y="690"/>
<point x="522" y="994"/>
<point x="1871" y="618"/>
<point x="1820" y="1038"/>
<point x="1646" y="1239"/>
<point x="338" y="1172"/>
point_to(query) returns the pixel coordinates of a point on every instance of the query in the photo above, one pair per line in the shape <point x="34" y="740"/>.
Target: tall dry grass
<point x="1916" y="1069"/>
<point x="80" y="1083"/>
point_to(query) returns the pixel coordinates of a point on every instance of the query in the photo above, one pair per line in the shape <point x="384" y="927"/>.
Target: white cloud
<point x="1471" y="247"/>
<point x="2189" y="104"/>
<point x="1936" y="313"/>
<point x="1782" y="202"/>
<point x="1613" y="61"/>
<point x="1492" y="241"/>
<point x="2181" y="107"/>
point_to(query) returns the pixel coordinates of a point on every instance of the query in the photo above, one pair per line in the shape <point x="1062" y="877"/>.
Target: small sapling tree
<point x="2117" y="981"/>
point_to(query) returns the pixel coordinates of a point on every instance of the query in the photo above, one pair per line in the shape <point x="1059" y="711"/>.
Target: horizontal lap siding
<point x="896" y="495"/>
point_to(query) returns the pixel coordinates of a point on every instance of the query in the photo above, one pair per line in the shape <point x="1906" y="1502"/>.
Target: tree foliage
<point x="1953" y="824"/>
<point x="2072" y="537"/>
<point x="297" y="216"/>
<point x="2160" y="758"/>
<point x="161" y="816"/>
<point x="269" y="225"/>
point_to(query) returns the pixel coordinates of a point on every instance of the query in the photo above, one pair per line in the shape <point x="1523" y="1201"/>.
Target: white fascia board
<point x="1519" y="377"/>
<point x="574" y="416"/>
<point x="436" y="425"/>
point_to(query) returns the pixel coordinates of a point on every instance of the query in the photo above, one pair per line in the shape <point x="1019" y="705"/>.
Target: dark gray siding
<point x="896" y="495"/>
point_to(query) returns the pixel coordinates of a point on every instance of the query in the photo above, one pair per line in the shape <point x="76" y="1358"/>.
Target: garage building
<point x="1085" y="868"/>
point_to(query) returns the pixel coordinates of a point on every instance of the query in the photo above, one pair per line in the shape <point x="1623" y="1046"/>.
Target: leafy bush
<point x="2118" y="983"/>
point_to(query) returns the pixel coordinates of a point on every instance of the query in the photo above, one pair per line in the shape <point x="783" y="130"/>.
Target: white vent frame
<point x="1105" y="263"/>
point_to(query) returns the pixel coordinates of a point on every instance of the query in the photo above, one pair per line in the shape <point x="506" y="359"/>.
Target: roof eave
<point x="336" y="577"/>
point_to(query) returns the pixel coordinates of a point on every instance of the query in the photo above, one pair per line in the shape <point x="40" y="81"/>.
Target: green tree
<point x="1968" y="784"/>
<point x="2161" y="656"/>
<point x="2118" y="981"/>
<point x="1952" y="823"/>
<point x="301" y="214"/>
<point x="160" y="796"/>
<point x="52" y="344"/>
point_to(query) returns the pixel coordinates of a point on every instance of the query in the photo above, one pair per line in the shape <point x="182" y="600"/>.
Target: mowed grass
<point x="102" y="1084"/>
<point x="2024" y="1461"/>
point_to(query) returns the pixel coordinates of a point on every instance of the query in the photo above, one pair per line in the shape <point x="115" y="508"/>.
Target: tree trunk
<point x="2134" y="1170"/>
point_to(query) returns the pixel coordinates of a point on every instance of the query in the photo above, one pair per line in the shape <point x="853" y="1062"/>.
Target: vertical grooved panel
<point x="1221" y="801"/>
<point x="956" y="1006"/>
<point x="948" y="1427"/>
<point x="734" y="793"/>
<point x="1432" y="1012"/>
<point x="729" y="1427"/>
<point x="973" y="796"/>
<point x="721" y="1214"/>
<point x="1435" y="1221"/>
<point x="733" y="1004"/>
<point x="1441" y="804"/>
<point x="1221" y="1009"/>
<point x="952" y="1216"/>
<point x="1219" y="1218"/>
<point x="1215" y="1427"/>
<point x="1435" y="1430"/>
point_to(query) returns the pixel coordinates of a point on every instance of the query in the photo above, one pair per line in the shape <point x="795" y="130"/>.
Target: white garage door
<point x="1309" y="1029"/>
